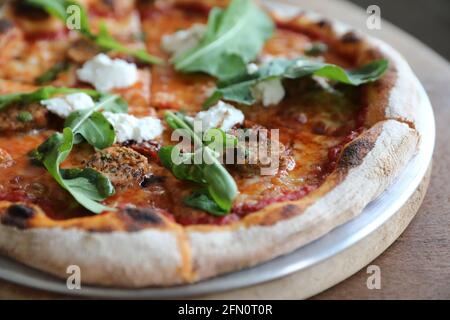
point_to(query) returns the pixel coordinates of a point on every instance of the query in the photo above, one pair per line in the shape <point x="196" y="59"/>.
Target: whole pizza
<point x="155" y="143"/>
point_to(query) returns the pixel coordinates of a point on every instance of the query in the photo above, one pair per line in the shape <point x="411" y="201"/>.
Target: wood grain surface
<point x="417" y="265"/>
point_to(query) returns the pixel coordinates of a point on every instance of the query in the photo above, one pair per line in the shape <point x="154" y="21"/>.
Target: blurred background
<point x="427" y="20"/>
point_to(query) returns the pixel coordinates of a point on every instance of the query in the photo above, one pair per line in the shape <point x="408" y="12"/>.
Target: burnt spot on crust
<point x="144" y="215"/>
<point x="22" y="118"/>
<point x="289" y="210"/>
<point x="123" y="166"/>
<point x="5" y="25"/>
<point x="136" y="219"/>
<point x="350" y="37"/>
<point x="17" y="215"/>
<point x="323" y="23"/>
<point x="354" y="153"/>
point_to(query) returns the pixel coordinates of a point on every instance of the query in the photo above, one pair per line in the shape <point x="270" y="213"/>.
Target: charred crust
<point x="289" y="210"/>
<point x="350" y="37"/>
<point x="17" y="215"/>
<point x="323" y="23"/>
<point x="144" y="215"/>
<point x="353" y="154"/>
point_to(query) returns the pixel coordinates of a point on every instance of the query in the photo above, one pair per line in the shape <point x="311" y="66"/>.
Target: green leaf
<point x="210" y="173"/>
<point x="52" y="73"/>
<point x="58" y="8"/>
<point x="107" y="42"/>
<point x="202" y="200"/>
<point x="87" y="186"/>
<point x="24" y="116"/>
<point x="233" y="38"/>
<point x="92" y="125"/>
<point x="239" y="89"/>
<point x="41" y="94"/>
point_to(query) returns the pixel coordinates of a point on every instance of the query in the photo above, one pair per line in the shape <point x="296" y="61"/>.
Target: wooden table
<point x="417" y="265"/>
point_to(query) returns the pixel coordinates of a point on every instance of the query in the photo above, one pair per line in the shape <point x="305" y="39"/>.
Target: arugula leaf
<point x="92" y="125"/>
<point x="219" y="184"/>
<point x="87" y="186"/>
<point x="58" y="8"/>
<point x="233" y="38"/>
<point x="239" y="89"/>
<point x="52" y="73"/>
<point x="41" y="94"/>
<point x="202" y="200"/>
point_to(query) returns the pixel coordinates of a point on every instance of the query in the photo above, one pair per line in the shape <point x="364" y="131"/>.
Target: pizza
<point x="158" y="143"/>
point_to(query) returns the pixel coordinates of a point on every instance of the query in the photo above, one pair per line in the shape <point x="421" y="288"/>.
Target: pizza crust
<point x="153" y="257"/>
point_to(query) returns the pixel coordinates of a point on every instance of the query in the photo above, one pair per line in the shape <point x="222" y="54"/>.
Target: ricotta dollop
<point x="106" y="74"/>
<point x="129" y="127"/>
<point x="223" y="116"/>
<point x="65" y="105"/>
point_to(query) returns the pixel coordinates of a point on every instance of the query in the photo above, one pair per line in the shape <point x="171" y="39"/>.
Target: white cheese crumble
<point x="184" y="40"/>
<point x="223" y="116"/>
<point x="269" y="92"/>
<point x="106" y="74"/>
<point x="252" y="68"/>
<point x="65" y="105"/>
<point x="129" y="127"/>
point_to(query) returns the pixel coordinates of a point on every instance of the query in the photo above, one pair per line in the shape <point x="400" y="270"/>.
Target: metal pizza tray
<point x="338" y="240"/>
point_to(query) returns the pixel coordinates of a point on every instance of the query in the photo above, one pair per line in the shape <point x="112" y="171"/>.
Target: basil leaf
<point x="233" y="38"/>
<point x="52" y="73"/>
<point x="239" y="89"/>
<point x="92" y="125"/>
<point x="202" y="200"/>
<point x="41" y="94"/>
<point x="58" y="8"/>
<point x="210" y="173"/>
<point x="86" y="186"/>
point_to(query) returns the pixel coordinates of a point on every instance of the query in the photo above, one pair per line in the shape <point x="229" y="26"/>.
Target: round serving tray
<point x="336" y="242"/>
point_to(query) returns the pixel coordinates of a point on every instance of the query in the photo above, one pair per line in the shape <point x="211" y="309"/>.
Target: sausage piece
<point x="123" y="166"/>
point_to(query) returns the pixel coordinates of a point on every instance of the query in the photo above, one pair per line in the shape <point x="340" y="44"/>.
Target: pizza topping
<point x="129" y="127"/>
<point x="219" y="188"/>
<point x="223" y="116"/>
<point x="65" y="105"/>
<point x="182" y="41"/>
<point x="242" y="88"/>
<point x="12" y="119"/>
<point x="83" y="50"/>
<point x="268" y="92"/>
<point x="249" y="146"/>
<point x="52" y="73"/>
<point x="233" y="38"/>
<point x="316" y="49"/>
<point x="5" y="159"/>
<point x="87" y="185"/>
<point x="44" y="93"/>
<point x="106" y="74"/>
<point x="103" y="39"/>
<point x="123" y="166"/>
